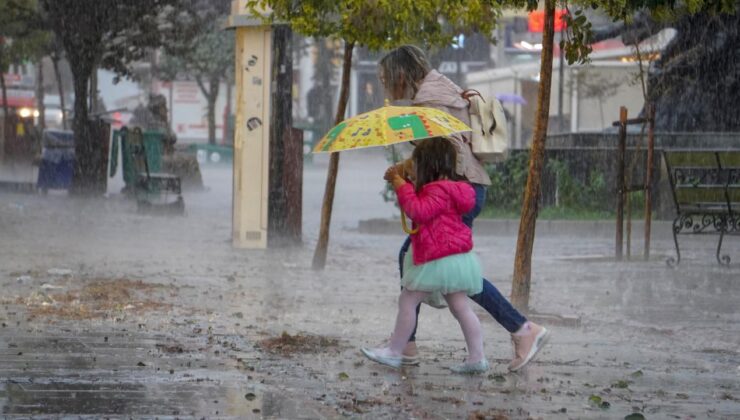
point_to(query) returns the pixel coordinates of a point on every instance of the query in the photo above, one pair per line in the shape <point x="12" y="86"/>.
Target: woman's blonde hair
<point x="402" y="70"/>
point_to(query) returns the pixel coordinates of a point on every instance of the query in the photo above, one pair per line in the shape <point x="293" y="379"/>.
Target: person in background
<point x="155" y="117"/>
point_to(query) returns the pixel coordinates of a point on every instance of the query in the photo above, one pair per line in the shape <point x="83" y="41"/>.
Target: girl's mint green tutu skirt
<point x="455" y="273"/>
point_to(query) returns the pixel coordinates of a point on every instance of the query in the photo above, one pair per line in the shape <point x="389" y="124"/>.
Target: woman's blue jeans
<point x="489" y="298"/>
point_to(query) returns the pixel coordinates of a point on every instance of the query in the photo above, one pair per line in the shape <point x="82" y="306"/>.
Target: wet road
<point x="108" y="313"/>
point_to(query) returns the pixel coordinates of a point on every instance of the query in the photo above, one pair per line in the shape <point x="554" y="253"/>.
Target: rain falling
<point x="230" y="209"/>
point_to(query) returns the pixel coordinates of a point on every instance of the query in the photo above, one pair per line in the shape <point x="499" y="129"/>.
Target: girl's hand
<point x="408" y="170"/>
<point x="392" y="173"/>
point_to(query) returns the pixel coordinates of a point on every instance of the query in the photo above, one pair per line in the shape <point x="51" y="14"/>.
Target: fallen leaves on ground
<point x="99" y="298"/>
<point x="487" y="415"/>
<point x="288" y="345"/>
<point x="448" y="400"/>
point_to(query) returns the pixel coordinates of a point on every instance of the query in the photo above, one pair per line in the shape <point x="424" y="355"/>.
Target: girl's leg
<point x="469" y="323"/>
<point x="405" y="321"/>
<point x="401" y="256"/>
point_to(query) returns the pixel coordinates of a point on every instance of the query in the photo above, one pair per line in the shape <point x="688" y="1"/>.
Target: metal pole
<point x="620" y="181"/>
<point x="649" y="179"/>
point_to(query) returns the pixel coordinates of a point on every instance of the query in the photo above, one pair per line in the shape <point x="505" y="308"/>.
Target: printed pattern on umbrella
<point x="389" y="125"/>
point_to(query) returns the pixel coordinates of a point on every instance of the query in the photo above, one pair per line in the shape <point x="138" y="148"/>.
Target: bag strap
<point x="469" y="93"/>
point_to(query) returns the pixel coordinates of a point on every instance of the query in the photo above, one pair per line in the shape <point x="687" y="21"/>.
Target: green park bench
<point x="156" y="192"/>
<point x="706" y="192"/>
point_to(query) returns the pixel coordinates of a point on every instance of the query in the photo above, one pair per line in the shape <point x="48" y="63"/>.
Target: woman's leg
<point x="490" y="298"/>
<point x="499" y="307"/>
<point x="528" y="337"/>
<point x="402" y="254"/>
<point x="469" y="323"/>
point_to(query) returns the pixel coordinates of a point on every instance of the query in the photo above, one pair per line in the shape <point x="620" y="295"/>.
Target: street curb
<point x="660" y="229"/>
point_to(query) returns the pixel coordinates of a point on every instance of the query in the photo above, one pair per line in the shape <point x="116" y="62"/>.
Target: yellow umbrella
<point x="389" y="125"/>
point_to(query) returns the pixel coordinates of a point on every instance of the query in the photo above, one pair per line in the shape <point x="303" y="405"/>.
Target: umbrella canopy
<point x="389" y="125"/>
<point x="511" y="98"/>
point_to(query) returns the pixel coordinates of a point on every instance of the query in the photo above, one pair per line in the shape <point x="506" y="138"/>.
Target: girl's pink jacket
<point x="437" y="211"/>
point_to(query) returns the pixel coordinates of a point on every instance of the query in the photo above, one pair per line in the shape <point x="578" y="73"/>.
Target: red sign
<point x="537" y="20"/>
<point x="12" y="77"/>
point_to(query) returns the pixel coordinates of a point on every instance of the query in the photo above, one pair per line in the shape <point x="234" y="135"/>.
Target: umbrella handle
<point x="405" y="226"/>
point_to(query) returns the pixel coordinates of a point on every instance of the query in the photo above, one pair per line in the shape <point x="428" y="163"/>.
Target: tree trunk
<point x="94" y="91"/>
<point x="214" y="87"/>
<point x="228" y="136"/>
<point x="5" y="115"/>
<point x="211" y="94"/>
<point x="319" y="256"/>
<point x="525" y="241"/>
<point x="6" y="109"/>
<point x="286" y="149"/>
<point x="171" y="116"/>
<point x="41" y="124"/>
<point x="86" y="156"/>
<point x="60" y="87"/>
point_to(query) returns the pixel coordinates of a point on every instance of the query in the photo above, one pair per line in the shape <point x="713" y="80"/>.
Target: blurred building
<point x="586" y="98"/>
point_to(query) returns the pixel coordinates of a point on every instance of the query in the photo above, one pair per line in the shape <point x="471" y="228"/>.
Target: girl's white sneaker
<point x="471" y="368"/>
<point x="375" y="356"/>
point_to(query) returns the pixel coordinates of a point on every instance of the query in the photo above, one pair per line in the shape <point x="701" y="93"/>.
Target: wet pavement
<point x="107" y="313"/>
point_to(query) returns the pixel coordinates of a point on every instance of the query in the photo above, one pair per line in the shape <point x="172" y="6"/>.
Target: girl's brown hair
<point x="434" y="159"/>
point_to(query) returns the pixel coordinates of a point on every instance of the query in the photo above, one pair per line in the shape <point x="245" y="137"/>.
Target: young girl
<point x="440" y="260"/>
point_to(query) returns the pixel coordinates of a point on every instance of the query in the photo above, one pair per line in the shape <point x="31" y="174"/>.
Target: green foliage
<point x="579" y="33"/>
<point x="575" y="199"/>
<point x="22" y="37"/>
<point x="209" y="54"/>
<point x="385" y="24"/>
<point x="574" y="194"/>
<point x="578" y="39"/>
<point x="508" y="179"/>
<point x="111" y="34"/>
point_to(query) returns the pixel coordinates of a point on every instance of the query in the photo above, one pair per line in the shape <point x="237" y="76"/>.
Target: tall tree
<point x="107" y="34"/>
<point x="377" y="24"/>
<point x="22" y="37"/>
<point x="577" y="47"/>
<point x="202" y="50"/>
<point x="704" y="50"/>
<point x="530" y="205"/>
